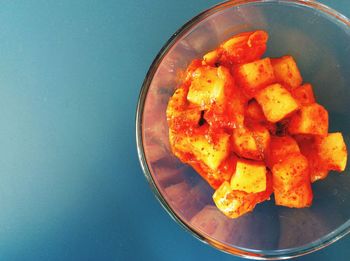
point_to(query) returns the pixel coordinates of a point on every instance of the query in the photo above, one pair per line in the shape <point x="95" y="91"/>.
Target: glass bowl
<point x="319" y="39"/>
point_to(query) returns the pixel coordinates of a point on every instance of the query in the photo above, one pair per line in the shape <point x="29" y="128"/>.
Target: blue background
<point x="71" y="187"/>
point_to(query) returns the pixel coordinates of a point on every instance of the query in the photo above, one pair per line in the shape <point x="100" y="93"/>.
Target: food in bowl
<point x="251" y="128"/>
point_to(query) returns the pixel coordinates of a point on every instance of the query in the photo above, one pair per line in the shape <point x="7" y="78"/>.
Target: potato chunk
<point x="244" y="144"/>
<point x="254" y="76"/>
<point x="224" y="202"/>
<point x="185" y="119"/>
<point x="230" y="114"/>
<point x="332" y="151"/>
<point x="234" y="203"/>
<point x="286" y="71"/>
<point x="324" y="154"/>
<point x="249" y="177"/>
<point x="291" y="182"/>
<point x="308" y="148"/>
<point x="176" y="103"/>
<point x="179" y="116"/>
<point x="299" y="197"/>
<point x="261" y="136"/>
<point x="291" y="172"/>
<point x="310" y="119"/>
<point x="208" y="152"/>
<point x="251" y="142"/>
<point x="207" y="87"/>
<point x="304" y="94"/>
<point x="280" y="148"/>
<point x="276" y="102"/>
<point x="179" y="143"/>
<point x="224" y="172"/>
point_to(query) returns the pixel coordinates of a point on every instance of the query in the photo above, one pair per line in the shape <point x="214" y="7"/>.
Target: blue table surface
<point x="71" y="187"/>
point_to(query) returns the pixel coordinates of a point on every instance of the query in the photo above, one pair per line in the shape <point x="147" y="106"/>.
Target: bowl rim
<point x="321" y="243"/>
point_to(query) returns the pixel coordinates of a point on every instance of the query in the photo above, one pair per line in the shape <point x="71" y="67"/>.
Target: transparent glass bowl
<point x="319" y="38"/>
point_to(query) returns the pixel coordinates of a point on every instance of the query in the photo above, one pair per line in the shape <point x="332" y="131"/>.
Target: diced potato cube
<point x="204" y="156"/>
<point x="254" y="111"/>
<point x="276" y="102"/>
<point x="212" y="154"/>
<point x="191" y="116"/>
<point x="317" y="165"/>
<point x="179" y="115"/>
<point x="291" y="182"/>
<point x="291" y="172"/>
<point x="261" y="136"/>
<point x="304" y="94"/>
<point x="310" y="119"/>
<point x="286" y="71"/>
<point x="231" y="114"/>
<point x="280" y="148"/>
<point x="179" y="143"/>
<point x="251" y="142"/>
<point x="332" y="151"/>
<point x="317" y="169"/>
<point x="249" y="177"/>
<point x="309" y="149"/>
<point x="298" y="197"/>
<point x="206" y="87"/>
<point x="254" y="76"/>
<point x="244" y="144"/>
<point x="234" y="203"/>
<point x="186" y="119"/>
<point x="225" y="202"/>
<point x="324" y="154"/>
<point x="214" y="177"/>
<point x="224" y="172"/>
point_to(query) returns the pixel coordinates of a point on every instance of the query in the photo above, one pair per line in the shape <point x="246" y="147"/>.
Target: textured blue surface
<point x="71" y="187"/>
